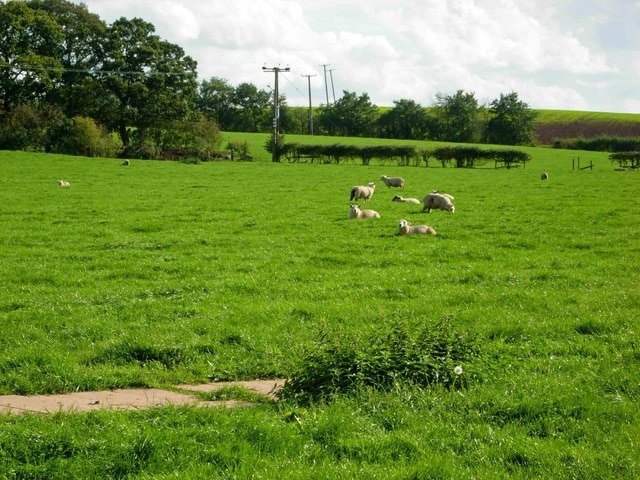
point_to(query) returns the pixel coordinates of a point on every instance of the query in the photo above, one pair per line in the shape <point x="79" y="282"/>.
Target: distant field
<point x="552" y="124"/>
<point x="163" y="273"/>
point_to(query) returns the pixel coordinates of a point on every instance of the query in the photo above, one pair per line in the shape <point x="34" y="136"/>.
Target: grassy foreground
<point x="162" y="273"/>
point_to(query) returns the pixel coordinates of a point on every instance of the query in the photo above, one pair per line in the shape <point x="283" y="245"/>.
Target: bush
<point x="599" y="144"/>
<point x="83" y="136"/>
<point x="626" y="159"/>
<point x="33" y="128"/>
<point x="339" y="365"/>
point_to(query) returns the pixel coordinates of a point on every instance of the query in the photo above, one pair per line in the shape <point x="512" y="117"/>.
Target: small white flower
<point x="458" y="370"/>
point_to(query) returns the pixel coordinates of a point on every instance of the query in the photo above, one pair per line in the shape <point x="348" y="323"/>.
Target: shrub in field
<point x="337" y="365"/>
<point x="602" y="143"/>
<point x="470" y="156"/>
<point x="32" y="128"/>
<point x="626" y="159"/>
<point x="83" y="136"/>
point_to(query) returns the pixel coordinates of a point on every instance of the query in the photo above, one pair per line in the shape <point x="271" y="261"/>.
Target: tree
<point x="252" y="109"/>
<point x="215" y="101"/>
<point x="79" y="54"/>
<point x="456" y="116"/>
<point x="147" y="82"/>
<point x="406" y="120"/>
<point x="511" y="122"/>
<point x="351" y="116"/>
<point x="29" y="52"/>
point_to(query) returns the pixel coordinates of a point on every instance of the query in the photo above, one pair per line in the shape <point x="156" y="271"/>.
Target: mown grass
<point x="164" y="273"/>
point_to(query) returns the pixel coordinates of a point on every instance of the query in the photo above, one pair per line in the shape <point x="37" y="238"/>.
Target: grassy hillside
<point x="162" y="273"/>
<point x="552" y="124"/>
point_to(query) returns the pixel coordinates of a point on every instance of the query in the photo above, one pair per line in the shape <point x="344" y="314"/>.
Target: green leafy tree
<point x="456" y="116"/>
<point x="406" y="120"/>
<point x="29" y="54"/>
<point x="252" y="109"/>
<point x="79" y="51"/>
<point x="215" y="101"/>
<point x="147" y="82"/>
<point x="351" y="116"/>
<point x="511" y="122"/>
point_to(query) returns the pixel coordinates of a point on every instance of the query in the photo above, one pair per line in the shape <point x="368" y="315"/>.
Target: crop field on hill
<point x="552" y="124"/>
<point x="163" y="273"/>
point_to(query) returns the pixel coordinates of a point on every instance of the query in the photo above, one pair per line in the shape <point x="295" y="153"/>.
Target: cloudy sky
<point x="556" y="54"/>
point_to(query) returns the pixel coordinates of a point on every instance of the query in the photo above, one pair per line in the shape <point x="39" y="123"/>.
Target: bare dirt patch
<point x="135" y="399"/>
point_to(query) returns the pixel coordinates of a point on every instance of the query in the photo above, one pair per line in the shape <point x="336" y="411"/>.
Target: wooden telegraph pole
<point x="275" y="157"/>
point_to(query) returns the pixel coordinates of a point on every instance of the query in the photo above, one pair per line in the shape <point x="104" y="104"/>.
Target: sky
<point x="555" y="54"/>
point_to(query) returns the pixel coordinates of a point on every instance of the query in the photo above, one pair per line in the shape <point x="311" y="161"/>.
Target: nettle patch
<point x="427" y="356"/>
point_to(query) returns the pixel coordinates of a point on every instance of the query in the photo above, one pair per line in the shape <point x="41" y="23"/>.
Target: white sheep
<point x="544" y="176"/>
<point x="393" y="181"/>
<point x="400" y="199"/>
<point x="438" y="201"/>
<point x="355" y="212"/>
<point x="361" y="191"/>
<point x="125" y="163"/>
<point x="64" y="183"/>
<point x="445" y="194"/>
<point x="405" y="228"/>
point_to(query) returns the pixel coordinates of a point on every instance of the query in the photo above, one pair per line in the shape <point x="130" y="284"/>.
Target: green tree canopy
<point x="406" y="120"/>
<point x="456" y="116"/>
<point x="148" y="81"/>
<point x="29" y="54"/>
<point x="511" y="122"/>
<point x="351" y="116"/>
<point x="79" y="53"/>
<point x="244" y="108"/>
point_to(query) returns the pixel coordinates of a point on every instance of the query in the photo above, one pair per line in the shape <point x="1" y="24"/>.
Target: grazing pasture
<point x="164" y="273"/>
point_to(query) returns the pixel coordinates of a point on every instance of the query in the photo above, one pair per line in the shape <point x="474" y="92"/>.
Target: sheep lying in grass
<point x="356" y="213"/>
<point x="400" y="199"/>
<point x="64" y="183"/>
<point x="438" y="201"/>
<point x="125" y="163"/>
<point x="544" y="176"/>
<point x="362" y="191"/>
<point x="393" y="181"/>
<point x="405" y="228"/>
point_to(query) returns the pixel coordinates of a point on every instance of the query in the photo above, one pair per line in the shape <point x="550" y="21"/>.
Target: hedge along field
<point x="162" y="273"/>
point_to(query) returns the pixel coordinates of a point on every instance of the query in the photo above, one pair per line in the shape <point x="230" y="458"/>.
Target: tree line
<point x="72" y="83"/>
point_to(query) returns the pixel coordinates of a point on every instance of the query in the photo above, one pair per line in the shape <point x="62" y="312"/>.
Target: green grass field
<point x="573" y="116"/>
<point x="163" y="273"/>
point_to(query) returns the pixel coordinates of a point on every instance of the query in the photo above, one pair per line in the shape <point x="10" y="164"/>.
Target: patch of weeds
<point x="339" y="365"/>
<point x="234" y="392"/>
<point x="590" y="327"/>
<point x="128" y="352"/>
<point x="512" y="333"/>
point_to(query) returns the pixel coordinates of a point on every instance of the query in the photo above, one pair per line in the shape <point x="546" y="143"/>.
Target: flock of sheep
<point x="432" y="201"/>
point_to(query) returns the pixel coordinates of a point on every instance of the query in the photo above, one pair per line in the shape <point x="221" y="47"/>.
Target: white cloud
<point x="551" y="52"/>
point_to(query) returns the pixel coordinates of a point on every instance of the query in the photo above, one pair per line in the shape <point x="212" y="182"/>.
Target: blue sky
<point x="556" y="54"/>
